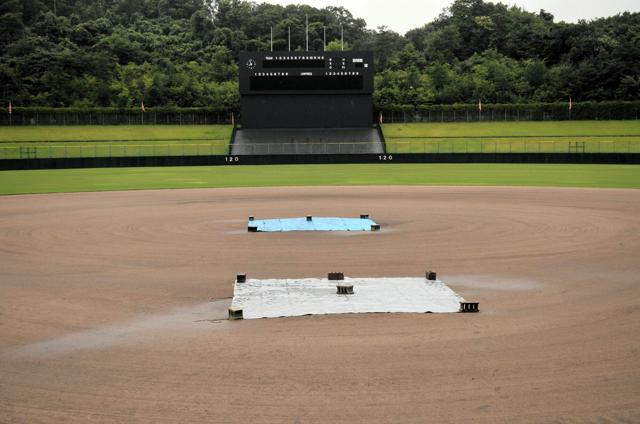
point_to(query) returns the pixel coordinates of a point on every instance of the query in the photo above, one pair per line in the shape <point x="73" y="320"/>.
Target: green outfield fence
<point x="393" y="146"/>
<point x="508" y="113"/>
<point x="614" y="110"/>
<point x="109" y="116"/>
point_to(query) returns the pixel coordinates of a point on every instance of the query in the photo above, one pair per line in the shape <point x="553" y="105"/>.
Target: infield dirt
<point x="112" y="307"/>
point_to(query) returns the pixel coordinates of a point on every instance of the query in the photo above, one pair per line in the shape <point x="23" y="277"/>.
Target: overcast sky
<point x="403" y="15"/>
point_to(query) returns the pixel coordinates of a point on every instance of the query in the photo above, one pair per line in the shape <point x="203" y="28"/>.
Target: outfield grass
<point x="104" y="179"/>
<point x="515" y="137"/>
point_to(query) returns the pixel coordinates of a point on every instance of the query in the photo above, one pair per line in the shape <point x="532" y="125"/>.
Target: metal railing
<point x="125" y="117"/>
<point x="394" y="146"/>
<point x="100" y="149"/>
<point x="512" y="113"/>
<point x="512" y="146"/>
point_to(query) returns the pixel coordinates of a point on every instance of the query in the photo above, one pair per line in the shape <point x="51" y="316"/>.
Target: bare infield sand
<point x="112" y="307"/>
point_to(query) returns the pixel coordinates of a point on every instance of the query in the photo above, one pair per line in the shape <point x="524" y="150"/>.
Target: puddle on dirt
<point x="203" y="316"/>
<point x="236" y="232"/>
<point x="492" y="283"/>
<point x="228" y="221"/>
<point x="333" y="233"/>
<point x="363" y="233"/>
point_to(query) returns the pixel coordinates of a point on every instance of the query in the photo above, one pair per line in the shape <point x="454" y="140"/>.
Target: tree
<point x="11" y="21"/>
<point x="184" y="52"/>
<point x="336" y="46"/>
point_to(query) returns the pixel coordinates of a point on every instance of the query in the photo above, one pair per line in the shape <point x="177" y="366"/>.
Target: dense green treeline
<point x="116" y="53"/>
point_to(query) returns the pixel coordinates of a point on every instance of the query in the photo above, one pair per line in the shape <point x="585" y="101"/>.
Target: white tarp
<point x="313" y="296"/>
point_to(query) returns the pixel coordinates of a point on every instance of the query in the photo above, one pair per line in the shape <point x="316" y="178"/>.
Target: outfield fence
<point x="501" y="115"/>
<point x="35" y="116"/>
<point x="394" y="146"/>
<point x="593" y="111"/>
<point x="102" y="149"/>
<point x="611" y="110"/>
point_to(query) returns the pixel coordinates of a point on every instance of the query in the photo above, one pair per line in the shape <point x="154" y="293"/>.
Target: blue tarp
<point x="316" y="224"/>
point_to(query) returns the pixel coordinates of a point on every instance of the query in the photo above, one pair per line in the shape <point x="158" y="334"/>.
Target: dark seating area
<point x="292" y="141"/>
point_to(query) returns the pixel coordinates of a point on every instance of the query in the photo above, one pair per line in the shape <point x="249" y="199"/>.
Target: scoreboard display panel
<point x="308" y="72"/>
<point x="306" y="89"/>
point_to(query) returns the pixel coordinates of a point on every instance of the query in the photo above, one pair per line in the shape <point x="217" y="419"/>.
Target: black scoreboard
<point x="306" y="89"/>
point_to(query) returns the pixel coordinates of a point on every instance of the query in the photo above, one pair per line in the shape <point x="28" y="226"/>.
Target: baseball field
<point x="114" y="292"/>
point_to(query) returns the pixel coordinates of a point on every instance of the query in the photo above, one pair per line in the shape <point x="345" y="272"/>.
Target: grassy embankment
<point x="481" y="137"/>
<point x="515" y="137"/>
<point x="113" y="140"/>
